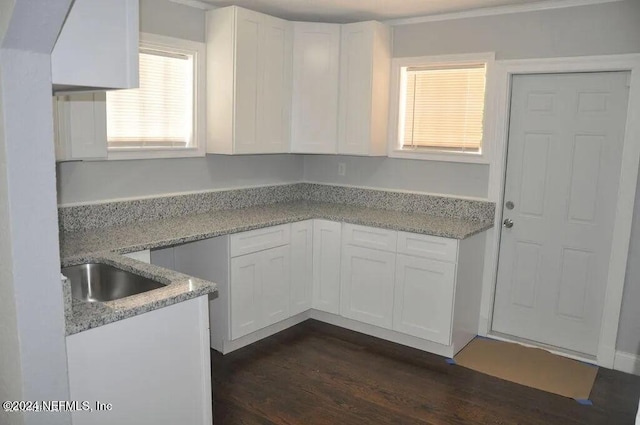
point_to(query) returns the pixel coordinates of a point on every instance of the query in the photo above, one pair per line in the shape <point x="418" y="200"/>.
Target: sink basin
<point x="100" y="282"/>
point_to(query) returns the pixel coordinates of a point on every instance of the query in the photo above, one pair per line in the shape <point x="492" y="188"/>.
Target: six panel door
<point x="563" y="167"/>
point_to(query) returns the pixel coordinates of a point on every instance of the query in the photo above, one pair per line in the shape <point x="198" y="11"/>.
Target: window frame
<point x="395" y="149"/>
<point x="197" y="50"/>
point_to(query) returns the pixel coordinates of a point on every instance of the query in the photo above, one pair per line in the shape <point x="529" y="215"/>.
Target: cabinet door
<point x="423" y="302"/>
<point x="316" y="54"/>
<point x="367" y="279"/>
<point x="364" y="88"/>
<point x="98" y="45"/>
<point x="81" y="127"/>
<point x="274" y="108"/>
<point x="301" y="266"/>
<point x="326" y="266"/>
<point x="276" y="276"/>
<point x="246" y="294"/>
<point x="248" y="71"/>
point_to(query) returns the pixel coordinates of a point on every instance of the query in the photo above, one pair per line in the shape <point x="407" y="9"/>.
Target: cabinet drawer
<point x="426" y="246"/>
<point x="369" y="237"/>
<point x="258" y="240"/>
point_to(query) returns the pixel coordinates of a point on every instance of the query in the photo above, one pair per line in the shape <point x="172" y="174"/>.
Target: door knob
<point x="508" y="223"/>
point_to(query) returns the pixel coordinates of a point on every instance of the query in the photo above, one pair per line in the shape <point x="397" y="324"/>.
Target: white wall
<point x="33" y="363"/>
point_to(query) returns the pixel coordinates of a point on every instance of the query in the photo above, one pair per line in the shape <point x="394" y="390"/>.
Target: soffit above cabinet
<point x="346" y="11"/>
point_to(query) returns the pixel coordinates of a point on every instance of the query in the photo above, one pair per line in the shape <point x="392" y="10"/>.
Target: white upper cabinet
<point x="316" y="56"/>
<point x="80" y="126"/>
<point x="98" y="46"/>
<point x="365" y="61"/>
<point x="248" y="82"/>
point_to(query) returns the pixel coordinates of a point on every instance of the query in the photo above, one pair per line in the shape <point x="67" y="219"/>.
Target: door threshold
<point x="574" y="355"/>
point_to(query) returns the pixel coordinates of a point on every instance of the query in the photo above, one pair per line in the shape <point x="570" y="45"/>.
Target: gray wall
<point x="609" y="28"/>
<point x="33" y="361"/>
<point x="104" y="180"/>
<point x="404" y="174"/>
<point x="601" y="29"/>
<point x="80" y="182"/>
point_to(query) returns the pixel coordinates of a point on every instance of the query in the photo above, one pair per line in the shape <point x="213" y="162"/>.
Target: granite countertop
<point x="104" y="246"/>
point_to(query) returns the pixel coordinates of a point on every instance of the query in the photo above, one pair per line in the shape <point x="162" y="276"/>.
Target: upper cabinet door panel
<point x="248" y="67"/>
<point x="98" y="46"/>
<point x="248" y="82"/>
<point x="356" y="62"/>
<point x="275" y="101"/>
<point x="316" y="55"/>
<point x="364" y="88"/>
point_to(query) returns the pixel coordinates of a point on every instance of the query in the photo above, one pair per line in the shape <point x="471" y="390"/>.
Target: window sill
<point x="474" y="158"/>
<point x="124" y="154"/>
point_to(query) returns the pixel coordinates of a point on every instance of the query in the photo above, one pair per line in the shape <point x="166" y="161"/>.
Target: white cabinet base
<point x="386" y="334"/>
<point x="153" y="368"/>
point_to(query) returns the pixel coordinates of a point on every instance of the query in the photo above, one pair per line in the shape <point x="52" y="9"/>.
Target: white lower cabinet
<point x="418" y="290"/>
<point x="259" y="290"/>
<point x="276" y="281"/>
<point x="326" y="265"/>
<point x="301" y="266"/>
<point x="245" y="294"/>
<point x="367" y="285"/>
<point x="153" y="368"/>
<point x="423" y="301"/>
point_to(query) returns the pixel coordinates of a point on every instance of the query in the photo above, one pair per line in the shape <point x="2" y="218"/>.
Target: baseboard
<point x="627" y="362"/>
<point x="229" y="346"/>
<point x="386" y="334"/>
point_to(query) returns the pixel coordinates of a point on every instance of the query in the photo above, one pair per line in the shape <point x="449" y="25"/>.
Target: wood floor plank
<point x="316" y="373"/>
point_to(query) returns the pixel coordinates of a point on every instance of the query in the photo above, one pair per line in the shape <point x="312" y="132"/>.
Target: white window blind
<point x="444" y="107"/>
<point x="158" y="114"/>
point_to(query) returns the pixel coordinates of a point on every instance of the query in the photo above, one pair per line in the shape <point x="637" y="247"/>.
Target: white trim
<point x="195" y="3"/>
<point x="198" y="50"/>
<point x="627" y="362"/>
<point x="205" y="358"/>
<point x="395" y="105"/>
<point x="498" y="10"/>
<point x="553" y="350"/>
<point x="626" y="192"/>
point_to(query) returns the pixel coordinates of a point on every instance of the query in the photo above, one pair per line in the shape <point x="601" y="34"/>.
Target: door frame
<point x="504" y="72"/>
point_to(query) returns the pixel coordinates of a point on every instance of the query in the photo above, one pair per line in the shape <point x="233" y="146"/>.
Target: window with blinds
<point x="443" y="108"/>
<point x="158" y="114"/>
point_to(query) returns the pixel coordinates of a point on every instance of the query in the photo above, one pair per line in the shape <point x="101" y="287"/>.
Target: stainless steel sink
<point x="100" y="282"/>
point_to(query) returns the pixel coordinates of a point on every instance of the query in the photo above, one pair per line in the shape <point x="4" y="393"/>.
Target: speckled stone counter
<point x="179" y="287"/>
<point x="75" y="246"/>
<point x="451" y="218"/>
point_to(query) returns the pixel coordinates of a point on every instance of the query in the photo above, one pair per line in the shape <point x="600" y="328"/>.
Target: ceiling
<point x="343" y="11"/>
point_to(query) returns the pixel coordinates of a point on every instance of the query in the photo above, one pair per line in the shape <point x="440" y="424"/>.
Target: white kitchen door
<point x="565" y="144"/>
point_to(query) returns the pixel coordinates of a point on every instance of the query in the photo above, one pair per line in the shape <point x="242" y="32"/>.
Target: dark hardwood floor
<point x="316" y="373"/>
